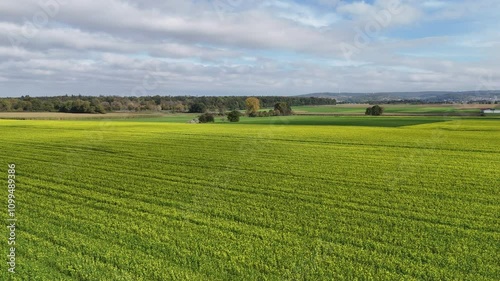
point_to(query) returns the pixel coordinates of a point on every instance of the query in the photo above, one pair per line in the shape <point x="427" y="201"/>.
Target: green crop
<point x="118" y="200"/>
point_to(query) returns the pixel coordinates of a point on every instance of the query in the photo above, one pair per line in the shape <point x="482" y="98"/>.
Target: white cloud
<point x="266" y="47"/>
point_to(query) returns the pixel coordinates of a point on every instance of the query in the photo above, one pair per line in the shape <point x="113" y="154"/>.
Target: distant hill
<point x="426" y="96"/>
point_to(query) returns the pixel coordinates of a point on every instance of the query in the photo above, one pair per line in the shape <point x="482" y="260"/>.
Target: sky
<point x="243" y="47"/>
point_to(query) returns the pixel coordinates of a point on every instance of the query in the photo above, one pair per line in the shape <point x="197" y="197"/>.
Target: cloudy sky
<point x="243" y="47"/>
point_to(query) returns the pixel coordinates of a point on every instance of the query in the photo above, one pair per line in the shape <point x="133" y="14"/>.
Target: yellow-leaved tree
<point x="253" y="105"/>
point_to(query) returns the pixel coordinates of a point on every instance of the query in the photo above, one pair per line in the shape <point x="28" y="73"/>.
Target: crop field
<point x="380" y="121"/>
<point x="72" y="116"/>
<point x="315" y="120"/>
<point x="353" y="199"/>
<point x="430" y="109"/>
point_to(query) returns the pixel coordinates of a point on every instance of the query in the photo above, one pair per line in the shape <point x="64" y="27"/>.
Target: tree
<point x="206" y="118"/>
<point x="252" y="106"/>
<point x="116" y="105"/>
<point x="374" y="110"/>
<point x="98" y="108"/>
<point x="80" y="106"/>
<point x="5" y="105"/>
<point x="36" y="105"/>
<point x="47" y="106"/>
<point x="151" y="106"/>
<point x="221" y="109"/>
<point x="234" y="116"/>
<point x="179" y="107"/>
<point x="198" y="108"/>
<point x="283" y="108"/>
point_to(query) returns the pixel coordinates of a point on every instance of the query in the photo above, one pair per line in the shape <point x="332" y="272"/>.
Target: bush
<point x="234" y="116"/>
<point x="374" y="110"/>
<point x="206" y="118"/>
<point x="283" y="108"/>
<point x="197" y="108"/>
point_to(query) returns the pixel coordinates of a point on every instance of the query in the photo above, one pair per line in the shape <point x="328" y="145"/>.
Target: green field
<point x="282" y="198"/>
<point x="380" y="121"/>
<point x="316" y="120"/>
<point x="393" y="109"/>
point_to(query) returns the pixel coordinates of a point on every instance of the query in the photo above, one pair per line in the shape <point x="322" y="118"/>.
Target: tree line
<point x="103" y="104"/>
<point x="252" y="105"/>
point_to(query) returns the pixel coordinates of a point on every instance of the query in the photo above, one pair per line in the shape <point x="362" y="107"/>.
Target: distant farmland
<point x="358" y="198"/>
<point x="396" y="109"/>
<point x="73" y="116"/>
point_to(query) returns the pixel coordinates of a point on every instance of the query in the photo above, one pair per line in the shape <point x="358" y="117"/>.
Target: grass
<point x="370" y="121"/>
<point x="358" y="109"/>
<point x="393" y="109"/>
<point x="169" y="118"/>
<point x="380" y="121"/>
<point x="120" y="200"/>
